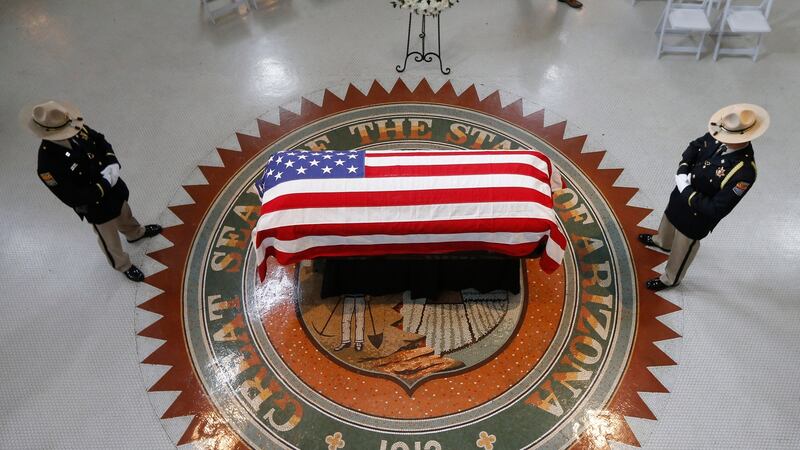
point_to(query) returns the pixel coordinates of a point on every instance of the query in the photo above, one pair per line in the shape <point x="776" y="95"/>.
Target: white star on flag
<point x="278" y="176"/>
<point x="301" y="170"/>
<point x="339" y="162"/>
<point x="314" y="162"/>
<point x="351" y="169"/>
<point x="289" y="163"/>
<point x="326" y="169"/>
<point x="327" y="156"/>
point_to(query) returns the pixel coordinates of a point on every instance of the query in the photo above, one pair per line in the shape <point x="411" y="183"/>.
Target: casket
<point x="319" y="204"/>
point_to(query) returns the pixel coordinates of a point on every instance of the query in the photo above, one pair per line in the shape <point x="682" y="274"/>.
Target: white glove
<point x="111" y="174"/>
<point x="682" y="181"/>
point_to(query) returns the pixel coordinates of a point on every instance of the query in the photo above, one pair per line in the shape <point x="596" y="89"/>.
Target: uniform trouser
<point x="352" y="303"/>
<point x="108" y="237"/>
<point x="682" y="250"/>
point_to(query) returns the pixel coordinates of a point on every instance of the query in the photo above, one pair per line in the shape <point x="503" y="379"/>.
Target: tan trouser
<point x="108" y="237"/>
<point x="682" y="250"/>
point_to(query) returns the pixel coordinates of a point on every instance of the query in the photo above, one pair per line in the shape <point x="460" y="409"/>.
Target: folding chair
<point x="686" y="19"/>
<point x="714" y="3"/>
<point x="743" y="20"/>
<point x="215" y="9"/>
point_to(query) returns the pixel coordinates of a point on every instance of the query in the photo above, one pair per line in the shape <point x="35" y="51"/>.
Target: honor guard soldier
<point x="79" y="166"/>
<point x="715" y="172"/>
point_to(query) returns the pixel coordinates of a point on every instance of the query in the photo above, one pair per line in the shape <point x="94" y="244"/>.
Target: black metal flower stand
<point x="422" y="55"/>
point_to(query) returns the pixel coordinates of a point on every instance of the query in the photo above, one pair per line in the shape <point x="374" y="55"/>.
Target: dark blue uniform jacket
<point x="73" y="175"/>
<point x="718" y="182"/>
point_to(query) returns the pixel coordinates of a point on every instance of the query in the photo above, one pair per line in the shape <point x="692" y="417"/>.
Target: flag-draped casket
<point x="396" y="202"/>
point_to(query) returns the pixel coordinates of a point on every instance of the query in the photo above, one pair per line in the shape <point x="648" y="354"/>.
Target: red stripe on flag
<point x="405" y="198"/>
<point x="443" y="227"/>
<point x="381" y="154"/>
<point x="457" y="153"/>
<point x="460" y="169"/>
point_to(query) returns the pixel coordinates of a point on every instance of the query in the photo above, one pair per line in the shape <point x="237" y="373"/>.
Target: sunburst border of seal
<point x="192" y="401"/>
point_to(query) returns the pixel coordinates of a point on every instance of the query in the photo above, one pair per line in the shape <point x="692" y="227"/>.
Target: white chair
<point x="714" y="3"/>
<point x="215" y="9"/>
<point x="743" y="20"/>
<point x="686" y="19"/>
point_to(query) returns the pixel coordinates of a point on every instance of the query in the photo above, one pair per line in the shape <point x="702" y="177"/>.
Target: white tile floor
<point x="165" y="87"/>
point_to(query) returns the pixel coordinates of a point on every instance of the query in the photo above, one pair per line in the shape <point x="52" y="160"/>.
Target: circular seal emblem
<point x="282" y="364"/>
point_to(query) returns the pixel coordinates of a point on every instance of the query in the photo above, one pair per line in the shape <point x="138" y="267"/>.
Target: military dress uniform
<point x="719" y="178"/>
<point x="72" y="171"/>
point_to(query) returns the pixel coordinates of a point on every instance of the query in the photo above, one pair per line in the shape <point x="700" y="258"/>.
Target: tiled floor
<point x="166" y="88"/>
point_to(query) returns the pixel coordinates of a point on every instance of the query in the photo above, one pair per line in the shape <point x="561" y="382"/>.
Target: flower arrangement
<point x="426" y="7"/>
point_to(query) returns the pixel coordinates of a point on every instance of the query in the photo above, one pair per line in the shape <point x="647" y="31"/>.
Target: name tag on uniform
<point x="48" y="179"/>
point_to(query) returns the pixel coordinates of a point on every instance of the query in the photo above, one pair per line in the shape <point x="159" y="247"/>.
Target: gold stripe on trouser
<point x="682" y="251"/>
<point x="110" y="243"/>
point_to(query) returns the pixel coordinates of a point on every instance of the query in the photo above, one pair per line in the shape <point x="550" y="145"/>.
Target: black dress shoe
<point x="647" y="239"/>
<point x="134" y="274"/>
<point x="656" y="285"/>
<point x="573" y="3"/>
<point x="341" y="346"/>
<point x="149" y="231"/>
<point x="359" y="346"/>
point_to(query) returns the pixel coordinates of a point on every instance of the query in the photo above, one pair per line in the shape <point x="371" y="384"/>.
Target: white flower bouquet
<point x="425" y="7"/>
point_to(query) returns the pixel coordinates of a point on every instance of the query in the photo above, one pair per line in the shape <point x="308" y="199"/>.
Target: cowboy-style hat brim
<point x="736" y="137"/>
<point x="70" y="129"/>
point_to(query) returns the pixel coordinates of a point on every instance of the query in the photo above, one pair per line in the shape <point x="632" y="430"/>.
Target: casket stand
<point x="424" y="276"/>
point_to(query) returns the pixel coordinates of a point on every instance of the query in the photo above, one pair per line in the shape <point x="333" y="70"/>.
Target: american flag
<point x="384" y="202"/>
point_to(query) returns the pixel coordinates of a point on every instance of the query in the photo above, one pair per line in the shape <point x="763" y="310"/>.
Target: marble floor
<point x="166" y="88"/>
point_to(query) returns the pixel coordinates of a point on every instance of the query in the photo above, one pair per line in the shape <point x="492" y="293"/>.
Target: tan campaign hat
<point x="735" y="124"/>
<point x="52" y="120"/>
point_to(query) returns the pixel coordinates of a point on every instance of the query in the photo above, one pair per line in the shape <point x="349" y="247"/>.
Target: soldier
<point x="80" y="168"/>
<point x="715" y="172"/>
